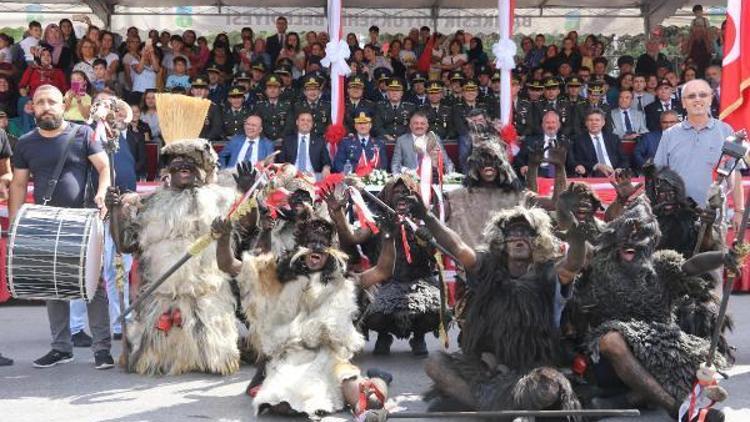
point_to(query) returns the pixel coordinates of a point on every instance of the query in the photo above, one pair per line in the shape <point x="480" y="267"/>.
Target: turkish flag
<point x="735" y="80"/>
<point x="423" y="63"/>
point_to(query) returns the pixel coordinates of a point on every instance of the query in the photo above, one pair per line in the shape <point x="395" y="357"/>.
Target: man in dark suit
<point x="649" y="143"/>
<point x="551" y="128"/>
<point x="276" y="42"/>
<point x="350" y="149"/>
<point x="306" y="151"/>
<point x="664" y="101"/>
<point x="596" y="153"/>
<point x="249" y="146"/>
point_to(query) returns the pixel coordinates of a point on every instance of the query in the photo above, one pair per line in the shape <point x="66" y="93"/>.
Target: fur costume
<point x="303" y="323"/>
<point x="636" y="299"/>
<point x="472" y="205"/>
<point x="410" y="301"/>
<point x="198" y="151"/>
<point x="580" y="200"/>
<point x="509" y="342"/>
<point x="200" y="334"/>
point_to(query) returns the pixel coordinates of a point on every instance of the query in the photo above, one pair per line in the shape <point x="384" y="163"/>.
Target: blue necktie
<point x="628" y="123"/>
<point x="249" y="152"/>
<point x="302" y="154"/>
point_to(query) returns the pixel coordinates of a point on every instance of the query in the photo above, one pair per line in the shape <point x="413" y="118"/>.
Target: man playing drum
<point x="38" y="153"/>
<point x="6" y="175"/>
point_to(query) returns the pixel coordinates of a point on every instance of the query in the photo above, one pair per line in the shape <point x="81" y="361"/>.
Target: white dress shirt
<point x="243" y="151"/>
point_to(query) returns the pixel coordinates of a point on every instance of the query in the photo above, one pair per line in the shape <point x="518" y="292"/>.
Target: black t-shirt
<point x="39" y="155"/>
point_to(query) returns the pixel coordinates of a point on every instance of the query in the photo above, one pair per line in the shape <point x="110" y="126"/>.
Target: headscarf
<point x="477" y="55"/>
<point x="54" y="38"/>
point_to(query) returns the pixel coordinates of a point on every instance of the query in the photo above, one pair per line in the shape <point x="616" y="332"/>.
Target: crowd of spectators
<point x="611" y="111"/>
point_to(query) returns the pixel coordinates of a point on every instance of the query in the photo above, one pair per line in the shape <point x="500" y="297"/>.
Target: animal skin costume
<point x="509" y="343"/>
<point x="188" y="323"/>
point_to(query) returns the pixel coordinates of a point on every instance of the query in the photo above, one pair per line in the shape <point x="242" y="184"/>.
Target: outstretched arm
<point x="444" y="236"/>
<point x="575" y="259"/>
<point x="383" y="270"/>
<point x="225" y="258"/>
<point x="343" y="228"/>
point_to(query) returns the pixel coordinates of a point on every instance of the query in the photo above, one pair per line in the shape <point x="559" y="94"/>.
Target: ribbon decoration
<point x="364" y="215"/>
<point x="337" y="51"/>
<point x="505" y="51"/>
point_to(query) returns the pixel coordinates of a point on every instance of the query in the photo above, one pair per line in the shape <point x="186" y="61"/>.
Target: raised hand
<point x="536" y="154"/>
<point x="417" y="207"/>
<point x="557" y="153"/>
<point x="621" y="180"/>
<point x="221" y="227"/>
<point x="245" y="177"/>
<point x="333" y="201"/>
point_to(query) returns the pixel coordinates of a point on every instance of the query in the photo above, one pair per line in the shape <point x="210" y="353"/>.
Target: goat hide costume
<point x="509" y="340"/>
<point x="410" y="301"/>
<point x="188" y="323"/>
<point x="302" y="322"/>
<point x="630" y="288"/>
<point x="472" y="205"/>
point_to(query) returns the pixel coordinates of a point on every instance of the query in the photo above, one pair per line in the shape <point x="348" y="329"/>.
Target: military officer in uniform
<point x="288" y="92"/>
<point x="468" y="104"/>
<point x="418" y="92"/>
<point x="243" y="79"/>
<point x="484" y="75"/>
<point x="320" y="110"/>
<point x="350" y="149"/>
<point x="595" y="100"/>
<point x="392" y="117"/>
<point x="212" y="127"/>
<point x="573" y="86"/>
<point x="355" y="101"/>
<point x="217" y="90"/>
<point x="257" y="75"/>
<point x="235" y="112"/>
<point x="378" y="91"/>
<point x="439" y="115"/>
<point x="455" y="92"/>
<point x="273" y="110"/>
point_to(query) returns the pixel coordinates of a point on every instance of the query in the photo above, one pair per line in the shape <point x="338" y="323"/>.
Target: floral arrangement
<point x="377" y="177"/>
<point x="453" y="178"/>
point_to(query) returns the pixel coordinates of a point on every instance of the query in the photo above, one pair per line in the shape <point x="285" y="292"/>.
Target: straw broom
<point x="180" y="116"/>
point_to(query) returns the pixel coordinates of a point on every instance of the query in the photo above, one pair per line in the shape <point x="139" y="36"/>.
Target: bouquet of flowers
<point x="376" y="177"/>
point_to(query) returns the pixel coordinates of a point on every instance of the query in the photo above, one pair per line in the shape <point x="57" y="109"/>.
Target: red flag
<point x="365" y="166"/>
<point x="735" y="80"/>
<point x="423" y="63"/>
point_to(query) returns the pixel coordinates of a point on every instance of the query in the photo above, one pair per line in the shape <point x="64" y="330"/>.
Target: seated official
<point x="306" y="151"/>
<point x="350" y="149"/>
<point x="596" y="153"/>
<point x="411" y="147"/>
<point x="251" y="146"/>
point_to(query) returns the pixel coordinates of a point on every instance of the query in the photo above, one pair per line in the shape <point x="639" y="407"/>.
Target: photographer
<point x="77" y="99"/>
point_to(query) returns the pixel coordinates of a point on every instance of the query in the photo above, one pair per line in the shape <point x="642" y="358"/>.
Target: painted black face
<point x="400" y="202"/>
<point x="519" y="236"/>
<point x="666" y="198"/>
<point x="299" y="200"/>
<point x="183" y="173"/>
<point x="584" y="208"/>
<point x="635" y="243"/>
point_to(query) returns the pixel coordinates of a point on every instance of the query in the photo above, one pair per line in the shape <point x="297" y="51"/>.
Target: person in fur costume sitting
<point x="627" y="295"/>
<point x="188" y="323"/>
<point x="509" y="340"/>
<point x="301" y="307"/>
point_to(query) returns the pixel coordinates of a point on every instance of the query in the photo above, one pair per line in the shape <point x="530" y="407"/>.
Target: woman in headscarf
<point x="8" y="96"/>
<point x="476" y="54"/>
<point x="62" y="55"/>
<point x="43" y="74"/>
<point x="25" y="122"/>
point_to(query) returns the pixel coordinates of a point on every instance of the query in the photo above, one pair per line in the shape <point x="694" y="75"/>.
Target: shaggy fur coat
<point x="304" y="324"/>
<point x="165" y="226"/>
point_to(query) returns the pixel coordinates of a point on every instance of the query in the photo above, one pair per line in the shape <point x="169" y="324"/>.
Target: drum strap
<point x="52" y="184"/>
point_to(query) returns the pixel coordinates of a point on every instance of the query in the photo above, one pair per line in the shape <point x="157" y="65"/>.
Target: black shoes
<point x="81" y="339"/>
<point x="53" y="358"/>
<point x="383" y="344"/>
<point x="418" y="346"/>
<point x="103" y="360"/>
<point x="117" y="336"/>
<point x="5" y="361"/>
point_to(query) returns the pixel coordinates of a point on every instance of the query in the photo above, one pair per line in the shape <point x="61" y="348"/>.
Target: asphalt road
<point x="78" y="392"/>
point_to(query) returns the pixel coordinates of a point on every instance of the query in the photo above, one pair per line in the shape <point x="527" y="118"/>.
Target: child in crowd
<point x="100" y="72"/>
<point x="179" y="77"/>
<point x="5" y="55"/>
<point x="699" y="20"/>
<point x="31" y="42"/>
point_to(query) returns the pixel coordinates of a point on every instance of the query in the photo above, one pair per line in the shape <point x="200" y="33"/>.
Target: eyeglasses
<point x="702" y="95"/>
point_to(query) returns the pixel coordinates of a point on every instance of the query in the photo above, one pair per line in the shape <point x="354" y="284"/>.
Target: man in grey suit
<point x="627" y="123"/>
<point x="641" y="98"/>
<point x="405" y="154"/>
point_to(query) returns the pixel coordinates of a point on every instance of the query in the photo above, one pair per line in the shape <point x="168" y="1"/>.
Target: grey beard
<point x="50" y="124"/>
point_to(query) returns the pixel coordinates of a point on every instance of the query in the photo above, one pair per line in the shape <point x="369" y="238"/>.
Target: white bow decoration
<point x="336" y="55"/>
<point x="505" y="53"/>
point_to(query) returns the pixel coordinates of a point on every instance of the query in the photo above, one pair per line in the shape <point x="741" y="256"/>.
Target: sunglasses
<point x="701" y="95"/>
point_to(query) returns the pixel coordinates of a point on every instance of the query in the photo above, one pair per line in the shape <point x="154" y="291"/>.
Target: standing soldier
<point x="439" y="115"/>
<point x="320" y="110"/>
<point x="573" y="86"/>
<point x="417" y="94"/>
<point x="485" y="91"/>
<point x="392" y="117"/>
<point x="355" y="103"/>
<point x="213" y="126"/>
<point x="552" y="101"/>
<point x="258" y="74"/>
<point x="243" y="79"/>
<point x="468" y="104"/>
<point x="289" y="93"/>
<point x="593" y="101"/>
<point x="235" y="112"/>
<point x="217" y="90"/>
<point x="455" y="92"/>
<point x="273" y="111"/>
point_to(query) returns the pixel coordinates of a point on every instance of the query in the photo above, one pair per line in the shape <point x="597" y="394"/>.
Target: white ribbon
<point x="505" y="53"/>
<point x="336" y="55"/>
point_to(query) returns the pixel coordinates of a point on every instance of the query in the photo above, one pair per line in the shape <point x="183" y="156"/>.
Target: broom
<point x="180" y="116"/>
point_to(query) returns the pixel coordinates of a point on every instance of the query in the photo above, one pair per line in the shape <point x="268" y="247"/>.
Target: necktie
<point x="666" y="106"/>
<point x="395" y="107"/>
<point x="640" y="104"/>
<point x="363" y="141"/>
<point x="302" y="154"/>
<point x="598" y="148"/>
<point x="249" y="152"/>
<point x="628" y="123"/>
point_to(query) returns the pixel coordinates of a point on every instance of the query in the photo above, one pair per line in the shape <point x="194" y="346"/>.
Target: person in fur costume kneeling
<point x="510" y="336"/>
<point x="188" y="323"/>
<point x="301" y="306"/>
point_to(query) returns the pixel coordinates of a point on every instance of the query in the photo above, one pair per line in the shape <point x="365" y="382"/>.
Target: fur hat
<point x="546" y="246"/>
<point x="198" y="151"/>
<point x="409" y="180"/>
<point x="667" y="176"/>
<point x="637" y="218"/>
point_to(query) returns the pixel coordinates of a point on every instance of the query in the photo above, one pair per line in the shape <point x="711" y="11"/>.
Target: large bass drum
<point x="55" y="253"/>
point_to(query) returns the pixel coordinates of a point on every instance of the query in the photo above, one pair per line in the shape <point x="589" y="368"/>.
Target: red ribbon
<point x="405" y="243"/>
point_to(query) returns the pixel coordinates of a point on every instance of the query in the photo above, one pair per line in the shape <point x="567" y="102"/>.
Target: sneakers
<point x="5" y="361"/>
<point x="418" y="346"/>
<point x="103" y="360"/>
<point x="53" y="358"/>
<point x="81" y="339"/>
<point x="383" y="344"/>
